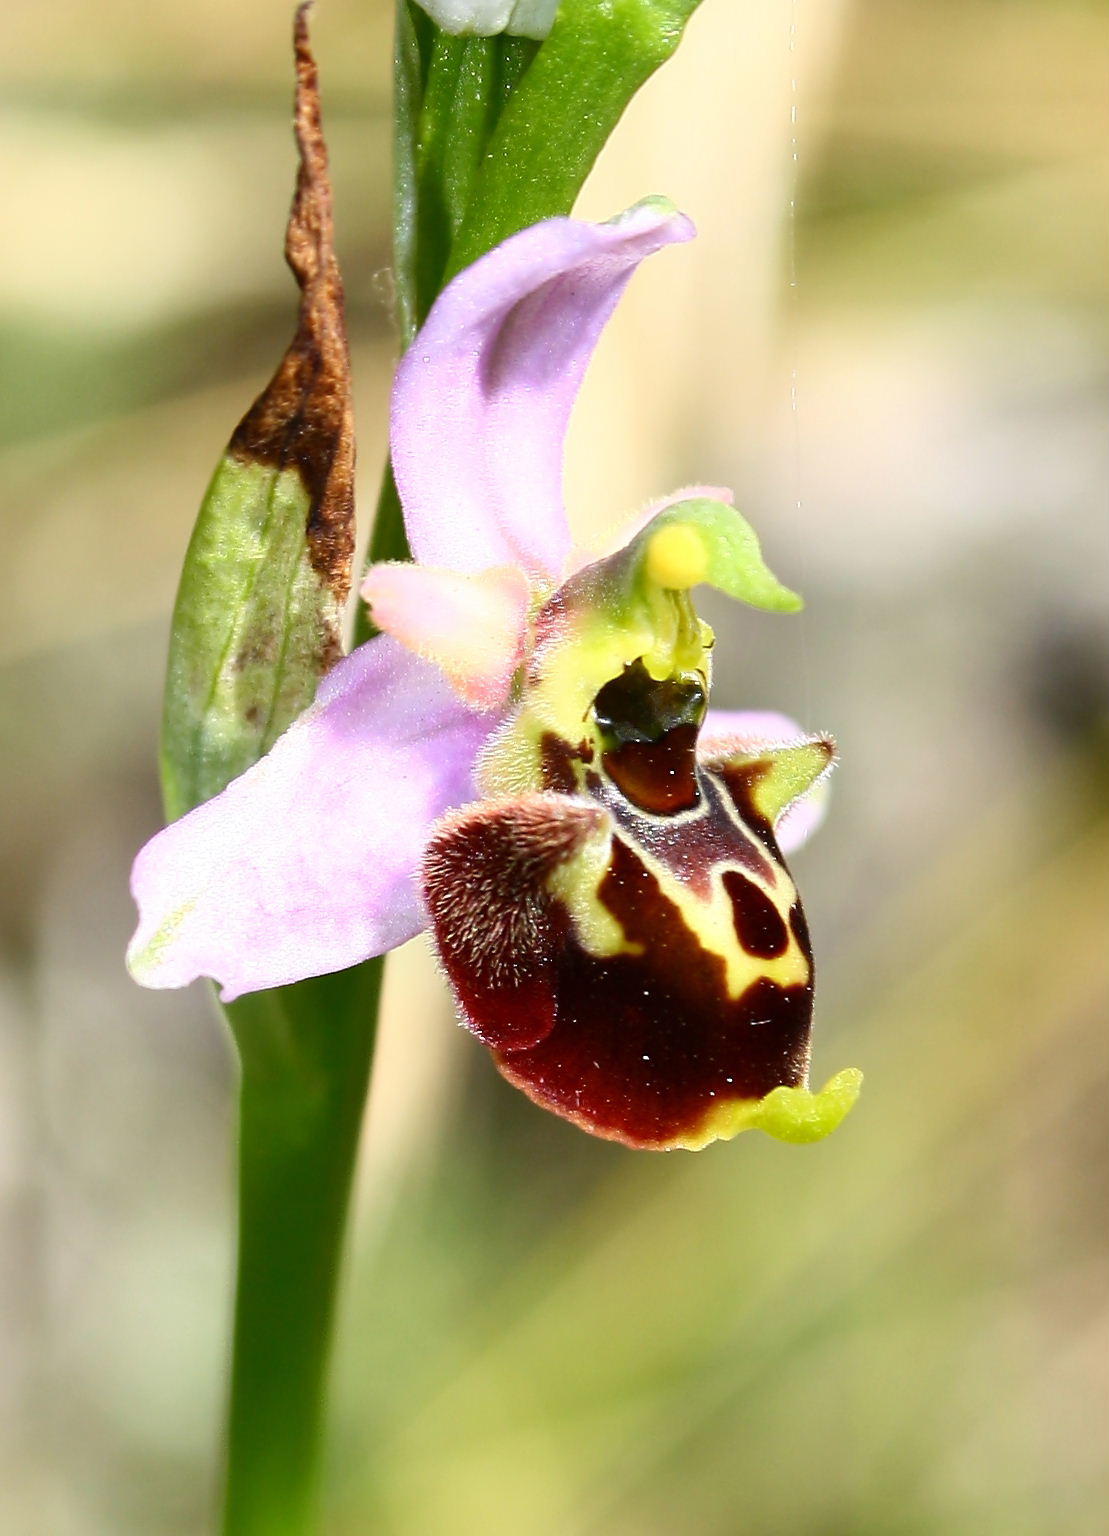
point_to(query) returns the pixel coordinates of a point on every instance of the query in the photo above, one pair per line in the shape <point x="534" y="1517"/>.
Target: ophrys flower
<point x="524" y="758"/>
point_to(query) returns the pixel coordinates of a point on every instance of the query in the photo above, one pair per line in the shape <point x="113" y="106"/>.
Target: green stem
<point x="388" y="541"/>
<point x="305" y="1053"/>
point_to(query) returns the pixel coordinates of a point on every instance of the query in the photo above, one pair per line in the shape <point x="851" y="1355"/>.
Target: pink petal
<point x="483" y="396"/>
<point x="749" y="729"/>
<point x="309" y="862"/>
<point x="470" y="625"/>
<point x="743" y="728"/>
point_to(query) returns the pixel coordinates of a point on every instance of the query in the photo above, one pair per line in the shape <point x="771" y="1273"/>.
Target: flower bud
<point x="485" y="18"/>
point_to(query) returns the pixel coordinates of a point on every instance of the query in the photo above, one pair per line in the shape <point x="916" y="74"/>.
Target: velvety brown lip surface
<point x="643" y="1046"/>
<point x="485" y="882"/>
<point x="639" y="1046"/>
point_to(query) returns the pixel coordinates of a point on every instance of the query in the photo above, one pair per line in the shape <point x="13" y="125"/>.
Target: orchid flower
<point x="523" y="758"/>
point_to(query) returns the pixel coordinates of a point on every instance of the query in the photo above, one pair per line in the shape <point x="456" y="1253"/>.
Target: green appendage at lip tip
<point x="799" y="1115"/>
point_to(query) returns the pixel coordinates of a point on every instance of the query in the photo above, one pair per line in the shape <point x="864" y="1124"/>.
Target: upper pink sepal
<point x="483" y="396"/>
<point x="309" y="862"/>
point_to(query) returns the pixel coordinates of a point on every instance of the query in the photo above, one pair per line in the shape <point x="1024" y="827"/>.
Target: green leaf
<point x="558" y="117"/>
<point x="448" y="96"/>
<point x="455" y="120"/>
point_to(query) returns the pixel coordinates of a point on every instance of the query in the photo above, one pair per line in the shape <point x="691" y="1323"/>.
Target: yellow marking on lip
<point x="576" y="885"/>
<point x="713" y="921"/>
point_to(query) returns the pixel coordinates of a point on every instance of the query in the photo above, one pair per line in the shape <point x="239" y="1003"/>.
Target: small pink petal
<point x="309" y="862"/>
<point x="483" y="396"/>
<point x="470" y="625"/>
<point x="746" y="730"/>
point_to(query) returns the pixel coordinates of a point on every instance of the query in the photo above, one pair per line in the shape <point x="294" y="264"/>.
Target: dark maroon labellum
<point x="630" y="947"/>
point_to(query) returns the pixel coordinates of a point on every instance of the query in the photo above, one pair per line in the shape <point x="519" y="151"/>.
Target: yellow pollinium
<point x="677" y="557"/>
<point x="787" y="1114"/>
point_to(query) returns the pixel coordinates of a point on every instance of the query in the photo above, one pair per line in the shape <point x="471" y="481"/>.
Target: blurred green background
<point x="899" y="1332"/>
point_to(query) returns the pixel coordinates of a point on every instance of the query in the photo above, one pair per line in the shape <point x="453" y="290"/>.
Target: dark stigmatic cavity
<point x="649" y="729"/>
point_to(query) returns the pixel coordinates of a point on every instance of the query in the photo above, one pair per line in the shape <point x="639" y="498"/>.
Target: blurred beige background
<point x="899" y="1332"/>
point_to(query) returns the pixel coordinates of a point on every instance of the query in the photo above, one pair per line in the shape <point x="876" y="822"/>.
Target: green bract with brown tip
<point x="268" y="571"/>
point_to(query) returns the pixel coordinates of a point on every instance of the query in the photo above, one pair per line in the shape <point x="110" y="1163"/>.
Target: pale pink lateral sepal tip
<point x="309" y="862"/>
